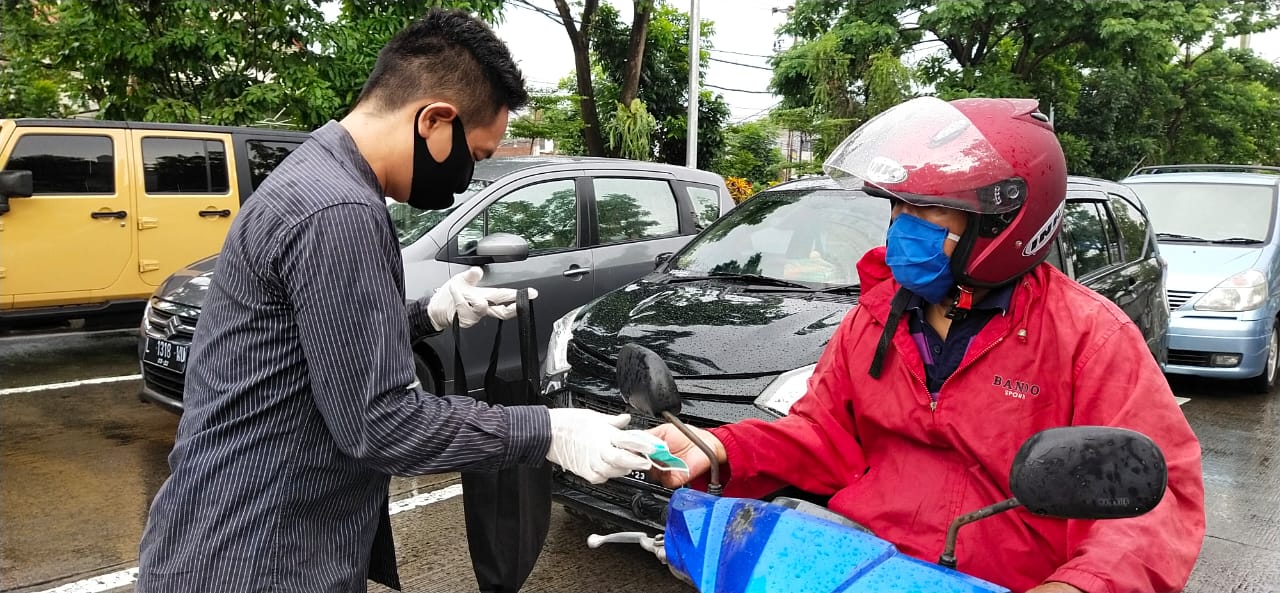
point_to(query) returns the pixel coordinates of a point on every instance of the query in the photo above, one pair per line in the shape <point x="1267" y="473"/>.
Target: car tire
<point x="1266" y="381"/>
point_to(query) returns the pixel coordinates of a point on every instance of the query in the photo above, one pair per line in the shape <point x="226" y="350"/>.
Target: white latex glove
<point x="461" y="297"/>
<point x="592" y="445"/>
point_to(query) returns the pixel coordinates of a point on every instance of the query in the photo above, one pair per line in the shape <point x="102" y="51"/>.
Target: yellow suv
<point x="94" y="215"/>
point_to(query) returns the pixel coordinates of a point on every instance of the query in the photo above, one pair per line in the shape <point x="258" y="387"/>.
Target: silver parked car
<point x="573" y="228"/>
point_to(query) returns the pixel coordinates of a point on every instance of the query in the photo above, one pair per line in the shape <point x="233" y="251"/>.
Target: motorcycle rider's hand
<point x="1054" y="587"/>
<point x="461" y="297"/>
<point x="687" y="451"/>
<point x="593" y="445"/>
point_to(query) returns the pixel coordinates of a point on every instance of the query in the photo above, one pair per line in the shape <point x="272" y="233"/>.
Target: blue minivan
<point x="1216" y="225"/>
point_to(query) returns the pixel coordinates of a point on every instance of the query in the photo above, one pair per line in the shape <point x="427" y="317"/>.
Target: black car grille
<point x="1178" y="298"/>
<point x="1189" y="358"/>
<point x="171" y="321"/>
<point x="176" y="323"/>
<point x="163" y="381"/>
<point x="610" y="405"/>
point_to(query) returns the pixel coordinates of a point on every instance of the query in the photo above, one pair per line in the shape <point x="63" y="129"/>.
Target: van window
<point x="1091" y="236"/>
<point x="184" y="166"/>
<point x="706" y="205"/>
<point x="265" y="156"/>
<point x="544" y="214"/>
<point x="1133" y="228"/>
<point x="67" y="163"/>
<point x="630" y="209"/>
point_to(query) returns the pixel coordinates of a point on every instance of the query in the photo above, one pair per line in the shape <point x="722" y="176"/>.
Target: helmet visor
<point x="926" y="152"/>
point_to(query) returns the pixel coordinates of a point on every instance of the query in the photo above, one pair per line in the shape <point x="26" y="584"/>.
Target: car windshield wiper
<point x="842" y="288"/>
<point x="1239" y="240"/>
<point x="754" y="279"/>
<point x="1177" y="237"/>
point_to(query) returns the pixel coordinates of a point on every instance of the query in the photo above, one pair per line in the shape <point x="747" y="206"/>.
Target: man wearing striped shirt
<point x="301" y="399"/>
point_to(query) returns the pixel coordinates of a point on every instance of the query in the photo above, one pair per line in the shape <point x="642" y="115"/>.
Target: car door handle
<point x="575" y="272"/>
<point x="222" y="213"/>
<point x="116" y="214"/>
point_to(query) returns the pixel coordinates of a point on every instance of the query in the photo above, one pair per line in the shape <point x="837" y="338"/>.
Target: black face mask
<point x="434" y="184"/>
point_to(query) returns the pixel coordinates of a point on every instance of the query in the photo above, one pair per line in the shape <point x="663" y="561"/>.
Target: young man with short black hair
<point x="301" y="399"/>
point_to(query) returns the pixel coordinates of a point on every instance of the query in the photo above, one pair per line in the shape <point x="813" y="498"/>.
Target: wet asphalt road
<point x="80" y="464"/>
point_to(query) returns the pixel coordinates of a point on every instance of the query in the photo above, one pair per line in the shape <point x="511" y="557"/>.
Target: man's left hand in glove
<point x="460" y="297"/>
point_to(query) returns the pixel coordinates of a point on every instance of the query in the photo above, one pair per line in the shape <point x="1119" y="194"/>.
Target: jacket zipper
<point x="934" y="405"/>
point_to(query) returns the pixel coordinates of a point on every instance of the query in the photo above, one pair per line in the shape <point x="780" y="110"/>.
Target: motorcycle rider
<point x="964" y="344"/>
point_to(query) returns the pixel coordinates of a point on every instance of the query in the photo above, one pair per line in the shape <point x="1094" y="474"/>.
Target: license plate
<point x="643" y="477"/>
<point x="166" y="354"/>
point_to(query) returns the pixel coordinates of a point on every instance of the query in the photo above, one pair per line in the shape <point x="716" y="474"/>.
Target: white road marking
<point x="68" y="384"/>
<point x="114" y="580"/>
<point x="1181" y="400"/>
<point x="126" y="577"/>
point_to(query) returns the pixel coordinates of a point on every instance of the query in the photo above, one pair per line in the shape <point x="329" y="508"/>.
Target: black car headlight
<point x="788" y="387"/>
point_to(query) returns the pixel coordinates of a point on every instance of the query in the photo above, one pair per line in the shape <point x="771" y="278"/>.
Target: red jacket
<point x="1063" y="355"/>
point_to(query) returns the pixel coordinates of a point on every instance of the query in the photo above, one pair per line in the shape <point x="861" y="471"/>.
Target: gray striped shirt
<point x="301" y="399"/>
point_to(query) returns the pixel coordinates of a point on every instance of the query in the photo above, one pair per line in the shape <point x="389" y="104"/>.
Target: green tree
<point x="663" y="80"/>
<point x="1123" y="79"/>
<point x="236" y="62"/>
<point x="751" y="153"/>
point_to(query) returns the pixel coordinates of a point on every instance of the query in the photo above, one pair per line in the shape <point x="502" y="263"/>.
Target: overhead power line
<point x="721" y="88"/>
<point x="741" y="64"/>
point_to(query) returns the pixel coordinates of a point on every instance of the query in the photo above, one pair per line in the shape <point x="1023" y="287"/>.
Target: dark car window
<point x="66" y="164"/>
<point x="1133" y="229"/>
<point x="1091" y="237"/>
<point x="265" y="156"/>
<point x="544" y="214"/>
<point x="815" y="236"/>
<point x="411" y="223"/>
<point x="630" y="209"/>
<point x="706" y="204"/>
<point x="184" y="166"/>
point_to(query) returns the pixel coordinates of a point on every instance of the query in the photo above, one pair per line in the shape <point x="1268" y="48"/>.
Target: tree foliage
<point x="751" y="153"/>
<point x="233" y="62"/>
<point x="1126" y="80"/>
<point x="663" y="80"/>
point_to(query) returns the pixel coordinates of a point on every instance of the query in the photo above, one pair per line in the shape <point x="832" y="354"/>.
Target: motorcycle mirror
<point x="1089" y="472"/>
<point x="646" y="382"/>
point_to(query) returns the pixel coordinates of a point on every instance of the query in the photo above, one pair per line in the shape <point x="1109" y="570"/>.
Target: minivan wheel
<point x="1266" y="381"/>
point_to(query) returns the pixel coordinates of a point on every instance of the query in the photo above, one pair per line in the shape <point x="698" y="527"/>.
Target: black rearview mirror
<point x="1089" y="472"/>
<point x="646" y="382"/>
<point x="503" y="248"/>
<point x="14" y="184"/>
<point x="1077" y="472"/>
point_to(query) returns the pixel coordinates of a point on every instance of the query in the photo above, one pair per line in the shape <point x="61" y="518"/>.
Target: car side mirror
<point x="646" y="382"/>
<point x="662" y="259"/>
<point x="1089" y="472"/>
<point x="502" y="248"/>
<point x="14" y="184"/>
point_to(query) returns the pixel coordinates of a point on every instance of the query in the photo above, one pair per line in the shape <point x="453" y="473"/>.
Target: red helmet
<point x="996" y="158"/>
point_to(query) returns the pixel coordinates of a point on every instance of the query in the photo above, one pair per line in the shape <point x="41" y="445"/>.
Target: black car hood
<point x="190" y="285"/>
<point x="709" y="328"/>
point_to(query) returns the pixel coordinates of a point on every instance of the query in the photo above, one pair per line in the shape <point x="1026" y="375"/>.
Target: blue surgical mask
<point x="916" y="257"/>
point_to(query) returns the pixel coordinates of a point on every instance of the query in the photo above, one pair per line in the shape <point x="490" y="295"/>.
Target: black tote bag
<point x="508" y="512"/>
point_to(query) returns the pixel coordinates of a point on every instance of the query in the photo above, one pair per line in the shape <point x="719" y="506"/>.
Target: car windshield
<point x="411" y="223"/>
<point x="1199" y="212"/>
<point x="811" y="237"/>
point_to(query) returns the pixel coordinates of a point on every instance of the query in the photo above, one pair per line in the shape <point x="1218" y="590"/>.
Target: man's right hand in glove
<point x="593" y="445"/>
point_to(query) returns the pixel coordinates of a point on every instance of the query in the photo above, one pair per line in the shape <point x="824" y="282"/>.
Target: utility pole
<point x="695" y="33"/>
